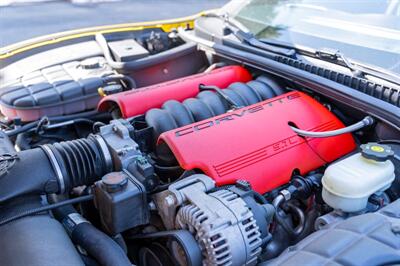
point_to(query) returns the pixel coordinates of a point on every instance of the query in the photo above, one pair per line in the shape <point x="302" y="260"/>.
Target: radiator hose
<point x="54" y="168"/>
<point x="96" y="243"/>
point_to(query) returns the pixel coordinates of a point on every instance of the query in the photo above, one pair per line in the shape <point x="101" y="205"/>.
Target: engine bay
<point x="189" y="159"/>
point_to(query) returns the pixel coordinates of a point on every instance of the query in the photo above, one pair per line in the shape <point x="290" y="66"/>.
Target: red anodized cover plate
<point x="256" y="144"/>
<point x="138" y="101"/>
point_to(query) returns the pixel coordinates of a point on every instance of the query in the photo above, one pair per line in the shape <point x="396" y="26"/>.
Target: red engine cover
<point x="256" y="144"/>
<point x="136" y="102"/>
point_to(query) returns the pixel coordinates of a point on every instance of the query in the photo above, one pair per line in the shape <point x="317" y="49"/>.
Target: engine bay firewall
<point x="256" y="144"/>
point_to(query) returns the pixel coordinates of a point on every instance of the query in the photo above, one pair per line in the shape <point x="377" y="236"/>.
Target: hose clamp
<point x="56" y="167"/>
<point x="105" y="151"/>
<point x="77" y="219"/>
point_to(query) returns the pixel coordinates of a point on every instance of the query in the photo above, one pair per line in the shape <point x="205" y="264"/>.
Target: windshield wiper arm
<point x="324" y="54"/>
<point x="334" y="56"/>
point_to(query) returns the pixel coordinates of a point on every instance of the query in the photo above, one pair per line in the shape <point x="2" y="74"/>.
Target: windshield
<point x="365" y="30"/>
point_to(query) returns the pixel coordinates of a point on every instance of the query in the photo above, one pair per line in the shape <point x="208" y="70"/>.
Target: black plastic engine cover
<point x="57" y="90"/>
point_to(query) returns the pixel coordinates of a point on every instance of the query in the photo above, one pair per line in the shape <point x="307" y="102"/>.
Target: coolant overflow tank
<point x="347" y="184"/>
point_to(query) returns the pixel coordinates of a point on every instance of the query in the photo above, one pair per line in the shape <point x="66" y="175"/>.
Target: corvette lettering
<point x="226" y="118"/>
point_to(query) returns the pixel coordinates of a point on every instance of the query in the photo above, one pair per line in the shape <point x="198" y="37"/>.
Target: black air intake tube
<point x="54" y="168"/>
<point x="81" y="161"/>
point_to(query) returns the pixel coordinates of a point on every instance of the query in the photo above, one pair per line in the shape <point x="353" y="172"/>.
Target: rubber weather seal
<point x="381" y="92"/>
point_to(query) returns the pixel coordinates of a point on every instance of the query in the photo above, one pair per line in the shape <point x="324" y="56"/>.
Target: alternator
<point x="228" y="224"/>
<point x="225" y="229"/>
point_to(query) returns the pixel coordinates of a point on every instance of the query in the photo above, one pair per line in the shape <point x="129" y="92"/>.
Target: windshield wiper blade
<point x="250" y="39"/>
<point x="246" y="37"/>
<point x="334" y="56"/>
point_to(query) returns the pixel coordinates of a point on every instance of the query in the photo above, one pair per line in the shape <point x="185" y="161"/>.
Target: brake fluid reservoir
<point x="349" y="183"/>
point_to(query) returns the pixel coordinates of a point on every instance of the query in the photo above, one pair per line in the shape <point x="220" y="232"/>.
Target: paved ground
<point x="20" y="22"/>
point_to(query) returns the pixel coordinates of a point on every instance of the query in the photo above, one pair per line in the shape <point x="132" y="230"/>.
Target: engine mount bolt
<point x="170" y="200"/>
